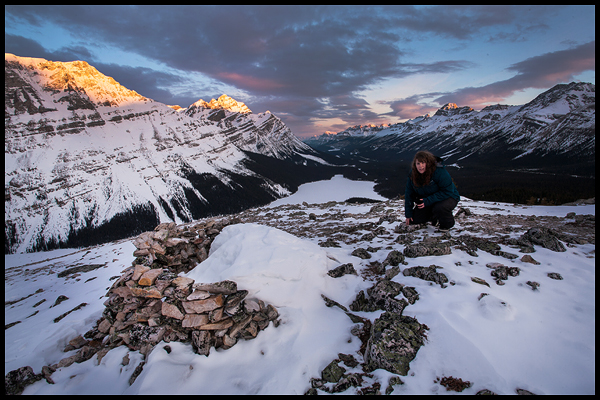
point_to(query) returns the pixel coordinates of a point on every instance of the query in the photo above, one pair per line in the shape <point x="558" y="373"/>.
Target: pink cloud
<point x="249" y="82"/>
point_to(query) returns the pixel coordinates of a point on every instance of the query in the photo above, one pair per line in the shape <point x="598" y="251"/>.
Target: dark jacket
<point x="439" y="188"/>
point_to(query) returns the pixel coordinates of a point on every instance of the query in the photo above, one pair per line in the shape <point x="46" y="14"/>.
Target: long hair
<point x="430" y="160"/>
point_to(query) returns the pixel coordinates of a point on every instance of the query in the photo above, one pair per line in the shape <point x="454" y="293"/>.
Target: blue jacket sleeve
<point x="446" y="188"/>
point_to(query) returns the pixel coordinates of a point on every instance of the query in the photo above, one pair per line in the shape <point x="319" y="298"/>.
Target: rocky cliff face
<point x="86" y="157"/>
<point x="262" y="133"/>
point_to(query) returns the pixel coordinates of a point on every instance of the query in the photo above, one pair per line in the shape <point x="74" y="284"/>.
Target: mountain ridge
<point x="87" y="159"/>
<point x="558" y="121"/>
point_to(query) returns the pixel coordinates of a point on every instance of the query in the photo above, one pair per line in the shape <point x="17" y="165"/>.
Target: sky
<point x="320" y="68"/>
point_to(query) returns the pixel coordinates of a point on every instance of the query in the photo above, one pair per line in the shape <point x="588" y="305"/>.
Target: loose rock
<point x="394" y="258"/>
<point x="427" y="274"/>
<point x="394" y="342"/>
<point x="454" y="384"/>
<point x="16" y="381"/>
<point x="544" y="237"/>
<point x="427" y="249"/>
<point x="361" y="253"/>
<point x="342" y="270"/>
<point x="502" y="272"/>
<point x="527" y="258"/>
<point x="332" y="372"/>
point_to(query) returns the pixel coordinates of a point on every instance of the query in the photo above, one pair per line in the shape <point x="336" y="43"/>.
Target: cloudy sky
<point x="319" y="68"/>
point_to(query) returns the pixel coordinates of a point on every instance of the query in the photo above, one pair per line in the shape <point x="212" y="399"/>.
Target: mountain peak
<point x="75" y="78"/>
<point x="449" y="106"/>
<point x="450" y="109"/>
<point x="572" y="95"/>
<point x="224" y="102"/>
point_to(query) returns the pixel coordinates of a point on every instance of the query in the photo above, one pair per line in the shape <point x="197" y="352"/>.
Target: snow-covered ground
<point x="542" y="341"/>
<point x="337" y="188"/>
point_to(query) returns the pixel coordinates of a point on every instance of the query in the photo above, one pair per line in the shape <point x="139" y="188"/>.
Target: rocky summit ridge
<point x="148" y="307"/>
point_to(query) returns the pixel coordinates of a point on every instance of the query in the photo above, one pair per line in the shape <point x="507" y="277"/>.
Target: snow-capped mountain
<point x="87" y="160"/>
<point x="262" y="133"/>
<point x="560" y="121"/>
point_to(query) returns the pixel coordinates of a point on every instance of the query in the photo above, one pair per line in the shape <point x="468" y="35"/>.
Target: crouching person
<point x="430" y="193"/>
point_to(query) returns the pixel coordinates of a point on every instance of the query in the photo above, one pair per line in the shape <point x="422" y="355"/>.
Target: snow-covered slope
<point x="542" y="340"/>
<point x="86" y="157"/>
<point x="262" y="133"/>
<point x="558" y="121"/>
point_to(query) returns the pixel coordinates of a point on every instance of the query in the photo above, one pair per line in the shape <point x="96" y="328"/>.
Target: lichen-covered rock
<point x="342" y="270"/>
<point x="394" y="258"/>
<point x="382" y="296"/>
<point x="333" y="372"/>
<point x="346" y="381"/>
<point x="502" y="272"/>
<point x="427" y="249"/>
<point x="470" y="244"/>
<point x="384" y="288"/>
<point x="455" y="384"/>
<point x="544" y="237"/>
<point x="394" y="342"/>
<point x="427" y="274"/>
<point x="555" y="275"/>
<point x="202" y="342"/>
<point x="16" y="381"/>
<point x="361" y="253"/>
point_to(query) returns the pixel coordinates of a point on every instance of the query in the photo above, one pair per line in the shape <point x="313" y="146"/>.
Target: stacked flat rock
<point x="150" y="303"/>
<point x="179" y="250"/>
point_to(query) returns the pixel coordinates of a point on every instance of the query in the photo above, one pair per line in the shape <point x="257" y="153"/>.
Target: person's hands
<point x="408" y="221"/>
<point x="420" y="204"/>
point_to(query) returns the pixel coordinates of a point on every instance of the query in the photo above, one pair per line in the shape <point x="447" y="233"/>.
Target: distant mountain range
<point x="88" y="160"/>
<point x="559" y="124"/>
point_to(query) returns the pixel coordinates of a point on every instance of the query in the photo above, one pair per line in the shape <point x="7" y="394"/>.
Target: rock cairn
<point x="150" y="303"/>
<point x="179" y="250"/>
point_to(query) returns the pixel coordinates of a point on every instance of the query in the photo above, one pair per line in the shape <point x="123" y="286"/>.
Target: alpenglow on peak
<point x="226" y="103"/>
